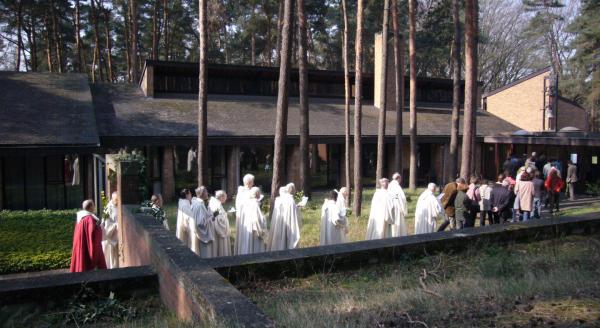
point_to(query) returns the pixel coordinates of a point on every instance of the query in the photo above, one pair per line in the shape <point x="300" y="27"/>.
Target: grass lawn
<point x="548" y="283"/>
<point x="311" y="217"/>
<point x="35" y="240"/>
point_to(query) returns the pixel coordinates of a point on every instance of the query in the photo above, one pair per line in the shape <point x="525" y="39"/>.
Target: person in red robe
<point x="87" y="252"/>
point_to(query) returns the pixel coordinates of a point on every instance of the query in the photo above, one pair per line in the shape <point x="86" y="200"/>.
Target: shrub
<point x="35" y="240"/>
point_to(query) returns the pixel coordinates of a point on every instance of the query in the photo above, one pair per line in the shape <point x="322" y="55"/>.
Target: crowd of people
<point x="518" y="194"/>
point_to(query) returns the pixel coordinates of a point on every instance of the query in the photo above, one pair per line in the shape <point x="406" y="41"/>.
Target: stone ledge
<point x="188" y="286"/>
<point x="125" y="282"/>
<point x="350" y="256"/>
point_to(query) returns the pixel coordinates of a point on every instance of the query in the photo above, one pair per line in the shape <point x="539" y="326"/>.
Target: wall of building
<point x="521" y="104"/>
<point x="571" y="115"/>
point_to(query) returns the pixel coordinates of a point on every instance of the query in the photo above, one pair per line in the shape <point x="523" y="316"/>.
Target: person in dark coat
<point x="449" y="193"/>
<point x="462" y="207"/>
<point x="500" y="199"/>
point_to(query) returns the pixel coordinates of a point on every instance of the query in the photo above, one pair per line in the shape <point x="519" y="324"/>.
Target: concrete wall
<point x="378" y="69"/>
<point x="521" y="104"/>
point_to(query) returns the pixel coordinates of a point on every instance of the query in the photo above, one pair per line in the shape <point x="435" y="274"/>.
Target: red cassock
<point x="87" y="246"/>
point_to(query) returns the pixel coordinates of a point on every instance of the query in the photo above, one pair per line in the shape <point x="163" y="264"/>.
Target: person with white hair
<point x="243" y="194"/>
<point x="222" y="235"/>
<point x="400" y="206"/>
<point x="87" y="251"/>
<point x="427" y="211"/>
<point x="284" y="232"/>
<point x="202" y="229"/>
<point x="252" y="228"/>
<point x="333" y="223"/>
<point x="110" y="239"/>
<point x="184" y="215"/>
<point x="381" y="217"/>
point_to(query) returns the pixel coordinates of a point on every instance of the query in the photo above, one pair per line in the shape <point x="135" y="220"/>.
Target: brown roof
<point x="46" y="110"/>
<point x="123" y="111"/>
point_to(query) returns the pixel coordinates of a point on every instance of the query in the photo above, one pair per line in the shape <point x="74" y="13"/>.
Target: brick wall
<point x="571" y="115"/>
<point x="521" y="104"/>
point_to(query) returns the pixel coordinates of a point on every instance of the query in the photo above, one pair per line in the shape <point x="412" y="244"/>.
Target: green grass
<point x="35" y="240"/>
<point x="550" y="282"/>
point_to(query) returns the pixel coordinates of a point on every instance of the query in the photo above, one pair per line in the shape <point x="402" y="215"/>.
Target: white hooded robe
<point x="243" y="194"/>
<point x="400" y="209"/>
<point x="284" y="232"/>
<point x="333" y="224"/>
<point x="428" y="210"/>
<point x="184" y="214"/>
<point x="222" y="241"/>
<point x="202" y="230"/>
<point x="252" y="229"/>
<point x="381" y="217"/>
<point x="110" y="237"/>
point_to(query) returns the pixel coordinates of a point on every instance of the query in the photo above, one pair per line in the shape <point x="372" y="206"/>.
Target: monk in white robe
<point x="243" y="194"/>
<point x="381" y="217"/>
<point x="333" y="223"/>
<point x="400" y="206"/>
<point x="222" y="235"/>
<point x="428" y="210"/>
<point x="252" y="230"/>
<point x="202" y="230"/>
<point x="285" y="228"/>
<point x="184" y="214"/>
<point x="342" y="196"/>
<point x="110" y="240"/>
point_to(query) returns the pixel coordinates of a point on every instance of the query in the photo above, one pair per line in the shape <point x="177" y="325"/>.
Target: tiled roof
<point x="40" y="109"/>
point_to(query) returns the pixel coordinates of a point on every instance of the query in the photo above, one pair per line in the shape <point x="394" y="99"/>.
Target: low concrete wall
<point x="55" y="287"/>
<point x="187" y="285"/>
<point x="351" y="256"/>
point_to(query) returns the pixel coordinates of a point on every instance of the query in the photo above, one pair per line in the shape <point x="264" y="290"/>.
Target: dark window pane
<point x="34" y="166"/>
<point x="56" y="168"/>
<point x="14" y="173"/>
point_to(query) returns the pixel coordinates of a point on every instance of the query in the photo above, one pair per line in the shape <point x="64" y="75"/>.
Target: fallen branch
<point x="425" y="289"/>
<point x="411" y="321"/>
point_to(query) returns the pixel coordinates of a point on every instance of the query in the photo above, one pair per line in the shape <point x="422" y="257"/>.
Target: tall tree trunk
<point x="79" y="59"/>
<point x="202" y="94"/>
<point x="127" y="44"/>
<point x="412" y="57"/>
<point x="57" y="37"/>
<point x="383" y="89"/>
<point x="111" y="76"/>
<point x="134" y="41"/>
<point x="347" y="94"/>
<point x="475" y="81"/>
<point x="166" y="26"/>
<point x="155" y="30"/>
<point x="358" y="109"/>
<point x="48" y="44"/>
<point x="282" y="101"/>
<point x="31" y="39"/>
<point x="279" y="31"/>
<point x="470" y="87"/>
<point x="399" y="85"/>
<point x="303" y="94"/>
<point x="456" y="69"/>
<point x="96" y="61"/>
<point x="253" y="49"/>
<point x="269" y="37"/>
<point x="19" y="31"/>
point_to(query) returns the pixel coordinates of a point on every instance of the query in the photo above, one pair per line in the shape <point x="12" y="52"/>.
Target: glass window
<point x="56" y="172"/>
<point x="34" y="166"/>
<point x="14" y="186"/>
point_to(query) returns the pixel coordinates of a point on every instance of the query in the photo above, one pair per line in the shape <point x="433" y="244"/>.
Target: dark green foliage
<point x="35" y="240"/>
